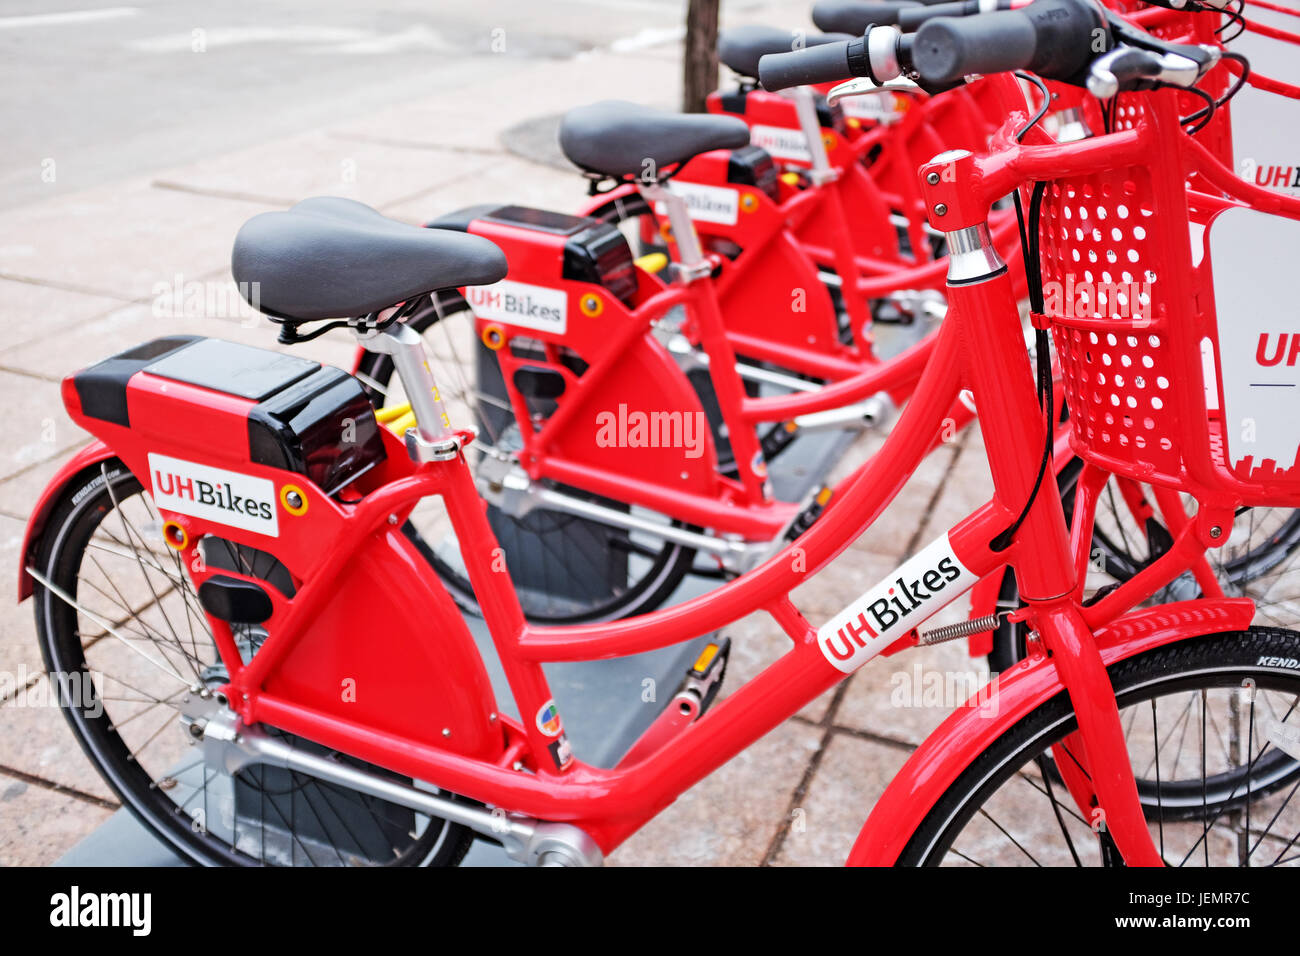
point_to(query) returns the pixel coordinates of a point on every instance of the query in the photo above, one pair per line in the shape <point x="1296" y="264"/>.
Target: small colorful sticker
<point x="548" y="719"/>
<point x="561" y="752"/>
<point x="759" y="464"/>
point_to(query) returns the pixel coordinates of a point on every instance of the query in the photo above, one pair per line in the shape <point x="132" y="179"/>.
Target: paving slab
<point x="851" y="776"/>
<point x="39" y="312"/>
<point x="37" y="824"/>
<point x="35" y="739"/>
<point x="122" y="240"/>
<point x="282" y="172"/>
<point x="730" y="817"/>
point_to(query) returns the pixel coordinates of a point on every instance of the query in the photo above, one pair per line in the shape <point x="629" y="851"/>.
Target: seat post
<point x="691" y="262"/>
<point x="806" y="110"/>
<point x="432" y="438"/>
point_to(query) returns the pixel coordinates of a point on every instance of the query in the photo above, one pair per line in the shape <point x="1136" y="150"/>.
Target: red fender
<point x="595" y="202"/>
<point x="975" y="725"/>
<point x="88" y="457"/>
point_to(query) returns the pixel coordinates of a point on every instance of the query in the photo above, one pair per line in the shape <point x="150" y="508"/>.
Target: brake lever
<point x="1127" y="68"/>
<point x="1124" y="33"/>
<point x="863" y="86"/>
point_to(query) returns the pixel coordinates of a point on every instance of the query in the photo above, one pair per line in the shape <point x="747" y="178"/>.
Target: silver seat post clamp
<point x="432" y="437"/>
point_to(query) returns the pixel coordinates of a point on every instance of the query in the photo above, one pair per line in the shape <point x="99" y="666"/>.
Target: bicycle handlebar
<point x="910" y="20"/>
<point x="1073" y="41"/>
<point x="814" y="64"/>
<point x="1055" y="38"/>
<point x="854" y="16"/>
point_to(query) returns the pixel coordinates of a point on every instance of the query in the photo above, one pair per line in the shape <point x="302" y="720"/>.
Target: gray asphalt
<point x="97" y="90"/>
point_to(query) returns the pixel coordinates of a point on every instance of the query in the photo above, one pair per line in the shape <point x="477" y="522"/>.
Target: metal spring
<point x="950" y="632"/>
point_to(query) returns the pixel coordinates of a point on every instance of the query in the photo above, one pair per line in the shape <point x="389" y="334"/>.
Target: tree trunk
<point x="700" y="64"/>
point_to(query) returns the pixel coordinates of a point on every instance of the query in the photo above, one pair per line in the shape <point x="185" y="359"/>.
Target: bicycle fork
<point x="982" y="303"/>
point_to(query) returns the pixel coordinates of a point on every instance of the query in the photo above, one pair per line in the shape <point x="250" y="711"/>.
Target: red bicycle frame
<point x="350" y="563"/>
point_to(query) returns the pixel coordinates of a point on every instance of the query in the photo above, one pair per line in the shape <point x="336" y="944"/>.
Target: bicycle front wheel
<point x="1206" y="722"/>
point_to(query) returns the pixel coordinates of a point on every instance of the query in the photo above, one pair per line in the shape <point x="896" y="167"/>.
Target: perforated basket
<point x="1133" y="318"/>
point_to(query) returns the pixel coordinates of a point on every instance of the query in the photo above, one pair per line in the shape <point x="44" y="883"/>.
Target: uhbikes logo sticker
<point x="226" y="497"/>
<point x="517" y="303"/>
<point x="705" y="203"/>
<point x="781" y="143"/>
<point x="926" y="583"/>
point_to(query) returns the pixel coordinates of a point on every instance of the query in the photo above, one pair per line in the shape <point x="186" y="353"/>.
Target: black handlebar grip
<point x="815" y="64"/>
<point x="854" y="16"/>
<point x="947" y="49"/>
<point x="909" y="21"/>
<point x="1054" y="38"/>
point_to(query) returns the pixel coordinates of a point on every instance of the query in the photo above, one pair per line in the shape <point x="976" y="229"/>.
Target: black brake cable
<point x="1226" y="97"/>
<point x="1237" y="18"/>
<point x="1211" y="104"/>
<point x="1042" y="110"/>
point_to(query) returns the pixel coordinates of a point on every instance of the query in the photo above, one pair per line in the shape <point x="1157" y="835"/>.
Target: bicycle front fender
<point x="89" y="457"/>
<point x="975" y="725"/>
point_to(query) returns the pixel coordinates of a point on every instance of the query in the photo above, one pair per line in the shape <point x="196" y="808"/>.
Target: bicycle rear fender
<point x="361" y="629"/>
<point x="976" y="724"/>
<point x="84" y="460"/>
<point x="573" y="348"/>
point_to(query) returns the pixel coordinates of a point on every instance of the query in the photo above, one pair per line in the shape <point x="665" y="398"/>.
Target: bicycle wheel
<point x="1206" y="717"/>
<point x="566" y="569"/>
<point x="122" y="633"/>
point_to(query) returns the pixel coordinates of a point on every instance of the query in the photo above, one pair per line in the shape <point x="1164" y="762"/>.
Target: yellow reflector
<point x="823" y="496"/>
<point x="705" y="659"/>
<point x="790" y="179"/>
<point x="386" y="415"/>
<point x="653" y="262"/>
<point x="400" y="425"/>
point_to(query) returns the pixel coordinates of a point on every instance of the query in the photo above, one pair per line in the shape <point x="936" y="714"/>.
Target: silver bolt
<point x="392" y="519"/>
<point x="293" y="499"/>
<point x="492" y="718"/>
<point x="1216" y="531"/>
<point x="940" y="209"/>
<point x="932" y="179"/>
<point x="446" y="731"/>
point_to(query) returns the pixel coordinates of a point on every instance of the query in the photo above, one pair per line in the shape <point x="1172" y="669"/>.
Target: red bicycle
<point x="247" y="578"/>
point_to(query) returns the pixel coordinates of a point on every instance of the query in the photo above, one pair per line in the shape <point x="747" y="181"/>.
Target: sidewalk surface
<point x="78" y="281"/>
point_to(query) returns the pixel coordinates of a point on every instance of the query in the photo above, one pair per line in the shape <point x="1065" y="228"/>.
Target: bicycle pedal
<point x="778" y="439"/>
<point x="704" y="679"/>
<point x="804" y="519"/>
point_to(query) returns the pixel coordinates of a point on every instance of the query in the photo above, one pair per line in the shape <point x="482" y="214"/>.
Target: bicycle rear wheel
<point x="566" y="569"/>
<point x="124" y="637"/>
<point x="1223" y="797"/>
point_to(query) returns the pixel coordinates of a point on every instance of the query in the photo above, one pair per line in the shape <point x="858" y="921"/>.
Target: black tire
<point x="573" y="588"/>
<point x="147" y="780"/>
<point x="1220" y="663"/>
